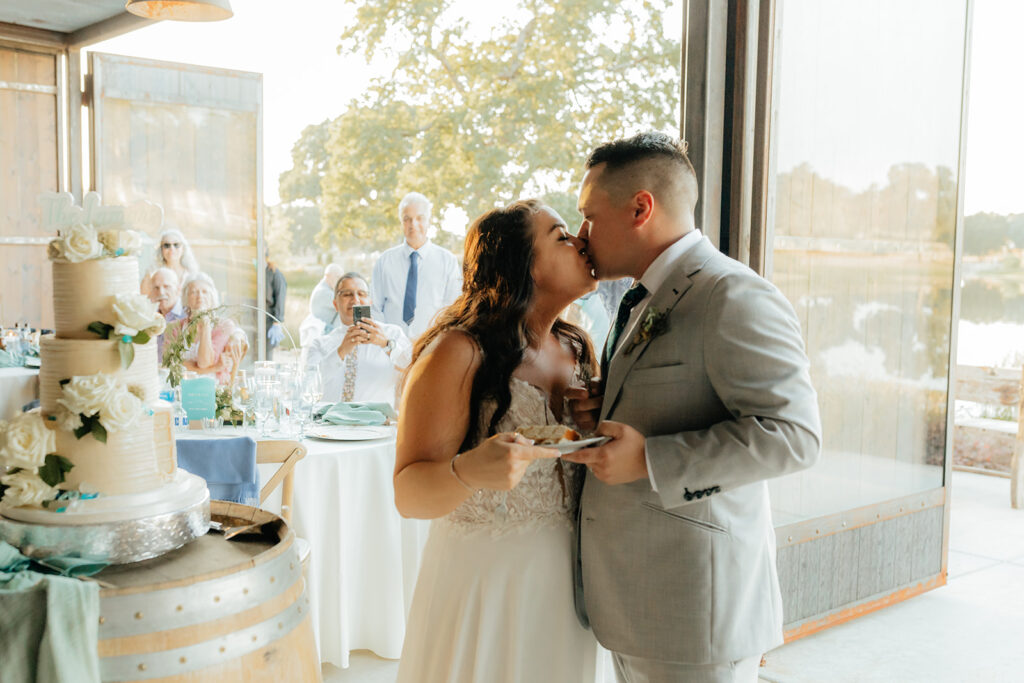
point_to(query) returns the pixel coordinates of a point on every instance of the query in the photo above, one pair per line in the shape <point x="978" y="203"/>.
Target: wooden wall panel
<point x="839" y="571"/>
<point x="29" y="166"/>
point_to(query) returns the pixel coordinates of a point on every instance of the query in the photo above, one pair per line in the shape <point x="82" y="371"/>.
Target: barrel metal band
<point x="171" y="608"/>
<point x="226" y="648"/>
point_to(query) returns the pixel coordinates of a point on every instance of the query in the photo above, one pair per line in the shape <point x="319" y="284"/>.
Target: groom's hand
<point x="585" y="404"/>
<point x="619" y="461"/>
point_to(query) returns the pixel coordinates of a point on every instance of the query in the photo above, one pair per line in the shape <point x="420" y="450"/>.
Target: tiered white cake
<point x="100" y="410"/>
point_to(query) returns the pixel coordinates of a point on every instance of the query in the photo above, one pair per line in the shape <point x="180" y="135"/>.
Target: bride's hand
<point x="499" y="462"/>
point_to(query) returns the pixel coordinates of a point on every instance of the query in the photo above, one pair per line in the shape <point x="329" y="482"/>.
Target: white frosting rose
<point x="86" y="395"/>
<point x="128" y="241"/>
<point x="27" y="441"/>
<point x="67" y="420"/>
<point x="26" y="488"/>
<point x="121" y="410"/>
<point x="135" y="312"/>
<point x="80" y="244"/>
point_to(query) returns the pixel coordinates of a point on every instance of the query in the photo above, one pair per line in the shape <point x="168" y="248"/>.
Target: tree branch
<point x="517" y="52"/>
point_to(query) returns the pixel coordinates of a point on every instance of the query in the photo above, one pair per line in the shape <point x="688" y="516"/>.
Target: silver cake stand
<point x="115" y="542"/>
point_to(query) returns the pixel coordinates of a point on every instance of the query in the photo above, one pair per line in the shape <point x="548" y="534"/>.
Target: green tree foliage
<point x="474" y="117"/>
<point x="299" y="211"/>
<point x="985" y="233"/>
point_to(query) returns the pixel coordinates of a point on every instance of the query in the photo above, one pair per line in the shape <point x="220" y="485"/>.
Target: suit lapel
<point x="664" y="299"/>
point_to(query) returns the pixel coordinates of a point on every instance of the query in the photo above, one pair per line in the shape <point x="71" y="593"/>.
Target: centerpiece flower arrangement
<point x="137" y="321"/>
<point x="33" y="470"/>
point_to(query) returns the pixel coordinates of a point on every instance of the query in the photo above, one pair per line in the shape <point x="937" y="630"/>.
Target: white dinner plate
<point x="347" y="433"/>
<point x="570" y="446"/>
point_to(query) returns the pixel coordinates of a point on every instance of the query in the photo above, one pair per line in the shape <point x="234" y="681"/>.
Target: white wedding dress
<point x="494" y="596"/>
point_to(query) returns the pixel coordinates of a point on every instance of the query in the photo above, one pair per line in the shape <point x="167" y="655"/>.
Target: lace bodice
<point x="542" y="496"/>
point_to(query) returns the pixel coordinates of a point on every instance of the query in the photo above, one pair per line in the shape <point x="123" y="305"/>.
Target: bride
<point x="494" y="597"/>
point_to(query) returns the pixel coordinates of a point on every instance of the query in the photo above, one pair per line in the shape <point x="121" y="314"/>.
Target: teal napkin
<point x="12" y="562"/>
<point x="11" y="360"/>
<point x="48" y="624"/>
<point x="362" y="414"/>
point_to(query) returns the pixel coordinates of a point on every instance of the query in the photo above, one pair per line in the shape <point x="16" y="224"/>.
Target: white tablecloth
<point x="18" y="386"/>
<point x="364" y="557"/>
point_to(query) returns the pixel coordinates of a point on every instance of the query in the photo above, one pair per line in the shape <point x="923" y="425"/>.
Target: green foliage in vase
<point x="175" y="348"/>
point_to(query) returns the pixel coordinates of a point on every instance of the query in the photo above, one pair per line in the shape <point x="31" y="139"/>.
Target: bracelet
<point x="451" y="466"/>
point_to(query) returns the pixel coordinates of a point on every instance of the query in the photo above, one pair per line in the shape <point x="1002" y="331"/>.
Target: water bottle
<point x="180" y="416"/>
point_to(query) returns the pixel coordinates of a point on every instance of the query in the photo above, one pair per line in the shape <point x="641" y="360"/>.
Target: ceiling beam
<point x="31" y="36"/>
<point x="116" y="25"/>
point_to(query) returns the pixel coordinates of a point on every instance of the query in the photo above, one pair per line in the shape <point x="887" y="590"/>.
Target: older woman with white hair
<point x="174" y="252"/>
<point x="218" y="345"/>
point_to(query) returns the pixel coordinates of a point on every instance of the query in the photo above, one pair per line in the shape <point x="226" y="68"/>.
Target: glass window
<point x="866" y="151"/>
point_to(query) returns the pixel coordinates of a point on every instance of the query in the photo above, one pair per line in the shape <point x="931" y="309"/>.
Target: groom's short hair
<point x="650" y="161"/>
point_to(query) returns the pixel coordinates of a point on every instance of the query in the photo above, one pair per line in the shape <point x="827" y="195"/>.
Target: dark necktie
<point x="409" y="306"/>
<point x="630" y="299"/>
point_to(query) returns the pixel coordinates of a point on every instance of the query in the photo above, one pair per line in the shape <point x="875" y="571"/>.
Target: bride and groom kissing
<point x="659" y="543"/>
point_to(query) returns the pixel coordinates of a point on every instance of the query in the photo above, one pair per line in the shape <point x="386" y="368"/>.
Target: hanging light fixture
<point x="181" y="10"/>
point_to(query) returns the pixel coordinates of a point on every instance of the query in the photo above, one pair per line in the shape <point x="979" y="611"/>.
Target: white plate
<point x="570" y="446"/>
<point x="348" y="433"/>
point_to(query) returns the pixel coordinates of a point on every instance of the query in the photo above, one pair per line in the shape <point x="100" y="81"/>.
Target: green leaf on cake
<point x="102" y="329"/>
<point x="53" y="469"/>
<point x="127" y="351"/>
<point x="98" y="430"/>
<point x="141" y="337"/>
<point x="64" y="381"/>
<point x="84" y="429"/>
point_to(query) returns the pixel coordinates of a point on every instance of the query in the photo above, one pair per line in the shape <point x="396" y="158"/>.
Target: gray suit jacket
<point x="725" y="402"/>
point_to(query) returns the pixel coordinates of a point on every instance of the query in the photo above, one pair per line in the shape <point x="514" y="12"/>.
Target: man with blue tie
<point x="416" y="279"/>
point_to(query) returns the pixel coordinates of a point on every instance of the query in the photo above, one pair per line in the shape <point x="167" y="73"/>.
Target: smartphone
<point x="360" y="313"/>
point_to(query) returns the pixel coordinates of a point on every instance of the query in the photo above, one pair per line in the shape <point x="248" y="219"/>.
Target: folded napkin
<point x="11" y="360"/>
<point x="361" y="414"/>
<point x="49" y="625"/>
<point x="227" y="465"/>
<point x="72" y="566"/>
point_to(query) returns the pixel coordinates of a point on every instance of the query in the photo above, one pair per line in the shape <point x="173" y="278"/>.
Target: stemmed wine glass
<point x="263" y="405"/>
<point x="311" y="390"/>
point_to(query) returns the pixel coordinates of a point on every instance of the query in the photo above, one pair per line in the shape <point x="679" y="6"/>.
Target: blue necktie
<point x="409" y="306"/>
<point x="630" y="299"/>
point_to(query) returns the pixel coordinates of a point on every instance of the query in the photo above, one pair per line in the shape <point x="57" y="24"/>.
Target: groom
<point x="706" y="396"/>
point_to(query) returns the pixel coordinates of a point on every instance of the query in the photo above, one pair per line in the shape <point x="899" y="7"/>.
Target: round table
<point x="18" y="386"/>
<point x="364" y="555"/>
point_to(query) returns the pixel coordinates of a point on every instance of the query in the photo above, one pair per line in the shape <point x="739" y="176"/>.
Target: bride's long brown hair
<point x="497" y="289"/>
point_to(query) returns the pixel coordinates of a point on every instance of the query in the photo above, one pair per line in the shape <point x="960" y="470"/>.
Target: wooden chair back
<point x="1001" y="387"/>
<point x="287" y="453"/>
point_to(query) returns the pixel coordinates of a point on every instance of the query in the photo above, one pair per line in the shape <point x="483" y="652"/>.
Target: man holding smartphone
<point x="361" y="359"/>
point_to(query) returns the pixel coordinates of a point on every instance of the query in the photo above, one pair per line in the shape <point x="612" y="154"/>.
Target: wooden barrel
<point x="214" y="610"/>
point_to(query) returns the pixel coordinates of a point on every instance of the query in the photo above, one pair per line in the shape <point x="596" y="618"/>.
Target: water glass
<point x="263" y="405"/>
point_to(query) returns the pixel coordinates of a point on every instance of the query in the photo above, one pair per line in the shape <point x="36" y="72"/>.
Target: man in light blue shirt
<point x="416" y="279"/>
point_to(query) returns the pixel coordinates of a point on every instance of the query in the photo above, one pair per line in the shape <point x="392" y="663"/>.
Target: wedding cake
<point x="100" y="451"/>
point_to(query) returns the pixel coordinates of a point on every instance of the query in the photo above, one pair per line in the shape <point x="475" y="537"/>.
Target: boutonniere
<point x="655" y="323"/>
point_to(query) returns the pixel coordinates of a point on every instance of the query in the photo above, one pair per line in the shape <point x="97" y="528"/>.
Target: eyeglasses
<point x="168" y="245"/>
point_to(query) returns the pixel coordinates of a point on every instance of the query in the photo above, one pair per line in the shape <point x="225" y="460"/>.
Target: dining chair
<point x="287" y="453"/>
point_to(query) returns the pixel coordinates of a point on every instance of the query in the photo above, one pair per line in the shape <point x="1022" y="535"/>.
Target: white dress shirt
<point x="438" y="283"/>
<point x="321" y="304"/>
<point x="653" y="278"/>
<point x="377" y="373"/>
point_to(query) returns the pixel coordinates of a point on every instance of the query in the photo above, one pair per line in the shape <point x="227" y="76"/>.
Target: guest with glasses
<point x="172" y="251"/>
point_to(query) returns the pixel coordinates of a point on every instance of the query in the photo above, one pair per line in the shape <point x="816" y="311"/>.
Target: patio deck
<point x="968" y="630"/>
